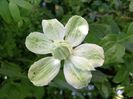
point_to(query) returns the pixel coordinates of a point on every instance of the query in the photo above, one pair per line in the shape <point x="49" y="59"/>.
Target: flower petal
<point x="43" y="71"/>
<point x="76" y="30"/>
<point x="92" y="52"/>
<point x="37" y="42"/>
<point x="81" y="63"/>
<point x="76" y="77"/>
<point x="53" y="29"/>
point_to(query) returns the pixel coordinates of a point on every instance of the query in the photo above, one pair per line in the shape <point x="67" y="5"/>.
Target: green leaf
<point x="108" y="40"/>
<point x="129" y="63"/>
<point x="104" y="89"/>
<point x="114" y="53"/>
<point x="48" y="1"/>
<point x="109" y="20"/>
<point x="130" y="28"/>
<point x="14" y="11"/>
<point x="131" y="6"/>
<point x="11" y="70"/>
<point x="129" y="47"/>
<point x="98" y="77"/>
<point x="6" y="92"/>
<point x="130" y="33"/>
<point x="121" y="75"/>
<point x="4" y="11"/>
<point x="21" y="90"/>
<point x="97" y="31"/>
<point x="130" y="94"/>
<point x="24" y="4"/>
<point x="129" y="90"/>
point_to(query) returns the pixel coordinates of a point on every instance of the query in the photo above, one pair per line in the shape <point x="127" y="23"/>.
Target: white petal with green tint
<point x="53" y="29"/>
<point x="76" y="77"/>
<point x="81" y="63"/>
<point x="43" y="71"/>
<point x="76" y="30"/>
<point x="38" y="43"/>
<point x="92" y="52"/>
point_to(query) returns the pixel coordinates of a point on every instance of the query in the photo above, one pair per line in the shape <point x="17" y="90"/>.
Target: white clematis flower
<point x="62" y="42"/>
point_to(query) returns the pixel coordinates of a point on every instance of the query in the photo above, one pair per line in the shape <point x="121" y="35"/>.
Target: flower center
<point x="62" y="50"/>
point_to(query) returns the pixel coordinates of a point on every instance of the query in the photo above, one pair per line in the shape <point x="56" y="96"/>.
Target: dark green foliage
<point x="111" y="26"/>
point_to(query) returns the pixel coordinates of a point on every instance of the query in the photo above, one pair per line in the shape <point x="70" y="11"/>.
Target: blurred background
<point x="111" y="26"/>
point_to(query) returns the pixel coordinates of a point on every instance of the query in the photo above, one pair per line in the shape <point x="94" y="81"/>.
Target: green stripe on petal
<point x="76" y="30"/>
<point x="53" y="29"/>
<point x="38" y="43"/>
<point x="76" y="77"/>
<point x="92" y="52"/>
<point x="43" y="71"/>
<point x="81" y="63"/>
